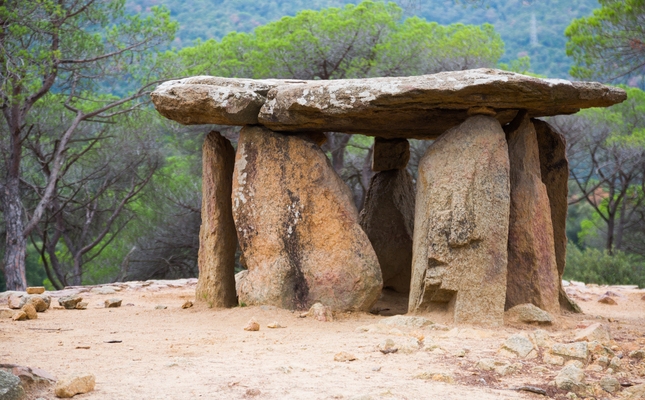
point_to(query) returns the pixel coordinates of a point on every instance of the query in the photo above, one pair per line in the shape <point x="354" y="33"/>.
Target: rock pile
<point x="484" y="232"/>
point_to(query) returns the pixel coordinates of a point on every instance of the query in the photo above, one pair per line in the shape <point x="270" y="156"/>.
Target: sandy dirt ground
<point x="138" y="351"/>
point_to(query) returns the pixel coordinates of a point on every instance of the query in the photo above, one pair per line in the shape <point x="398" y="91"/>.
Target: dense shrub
<point x="591" y="265"/>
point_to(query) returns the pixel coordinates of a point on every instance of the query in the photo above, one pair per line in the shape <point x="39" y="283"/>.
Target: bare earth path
<point x="198" y="352"/>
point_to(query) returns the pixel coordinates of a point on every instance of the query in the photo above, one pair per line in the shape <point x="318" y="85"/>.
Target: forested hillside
<point x="528" y="27"/>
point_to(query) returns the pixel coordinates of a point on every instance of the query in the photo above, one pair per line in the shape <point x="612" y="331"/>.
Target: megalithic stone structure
<point x="554" y="169"/>
<point x="298" y="227"/>
<point x="299" y="231"/>
<point x="217" y="236"/>
<point x="461" y="224"/>
<point x="532" y="268"/>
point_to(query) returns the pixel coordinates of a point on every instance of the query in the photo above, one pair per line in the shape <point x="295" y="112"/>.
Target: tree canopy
<point x="609" y="44"/>
<point x="364" y="40"/>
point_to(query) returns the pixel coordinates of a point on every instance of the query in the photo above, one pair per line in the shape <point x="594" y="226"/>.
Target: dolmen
<point x="482" y="231"/>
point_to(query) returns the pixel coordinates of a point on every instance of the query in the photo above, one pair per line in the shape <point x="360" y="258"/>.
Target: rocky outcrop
<point x="532" y="270"/>
<point x="420" y="107"/>
<point x="217" y="235"/>
<point x="461" y="224"/>
<point x="388" y="220"/>
<point x="298" y="227"/>
<point x="554" y="168"/>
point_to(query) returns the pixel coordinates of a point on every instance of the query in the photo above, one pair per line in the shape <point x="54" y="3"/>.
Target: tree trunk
<point x="16" y="243"/>
<point x="611" y="222"/>
<point x="338" y="144"/>
<point x="77" y="277"/>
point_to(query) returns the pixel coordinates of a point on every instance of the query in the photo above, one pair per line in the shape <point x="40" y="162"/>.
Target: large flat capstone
<point x="399" y="107"/>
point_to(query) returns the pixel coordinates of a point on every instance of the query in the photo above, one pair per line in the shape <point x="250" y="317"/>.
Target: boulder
<point x="320" y="312"/>
<point x="19" y="315"/>
<point x="10" y="387"/>
<point x="217" y="236"/>
<point x="594" y="332"/>
<point x="40" y="302"/>
<point x="529" y="313"/>
<point x="570" y="378"/>
<point x="113" y="303"/>
<point x="575" y="350"/>
<point x="15" y="300"/>
<point x="388" y="220"/>
<point x="70" y="302"/>
<point x="423" y="106"/>
<point x="6" y="313"/>
<point x="461" y="224"/>
<point x="74" y="384"/>
<point x="519" y="345"/>
<point x="30" y="310"/>
<point x="298" y="227"/>
<point x="35" y="290"/>
<point x="532" y="275"/>
<point x="554" y="170"/>
<point x="390" y="154"/>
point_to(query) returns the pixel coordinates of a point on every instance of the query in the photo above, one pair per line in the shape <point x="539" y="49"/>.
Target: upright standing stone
<point x="217" y="236"/>
<point x="532" y="268"/>
<point x="388" y="220"/>
<point x="390" y="154"/>
<point x="461" y="224"/>
<point x="298" y="227"/>
<point x="554" y="168"/>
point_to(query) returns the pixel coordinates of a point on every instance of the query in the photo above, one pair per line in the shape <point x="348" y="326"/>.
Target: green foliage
<point x="512" y="19"/>
<point x="368" y="39"/>
<point x="611" y="43"/>
<point x="596" y="266"/>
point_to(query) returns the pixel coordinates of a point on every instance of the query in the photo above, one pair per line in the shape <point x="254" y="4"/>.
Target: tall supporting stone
<point x="461" y="224"/>
<point x="532" y="268"/>
<point x="554" y="168"/>
<point x="388" y="220"/>
<point x="217" y="237"/>
<point x="298" y="227"/>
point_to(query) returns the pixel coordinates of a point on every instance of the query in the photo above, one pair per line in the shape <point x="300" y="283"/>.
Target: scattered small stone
<point x="30" y="310"/>
<point x="252" y="325"/>
<point x="275" y="325"/>
<point x="406" y="321"/>
<point x="609" y="384"/>
<point x="161" y="307"/>
<point x="344" y="357"/>
<point x="36" y="290"/>
<point x="603" y="361"/>
<point x="82" y="305"/>
<point x="113" y="303"/>
<point x="570" y="378"/>
<point x="10" y="387"/>
<point x="578" y="350"/>
<point x="529" y="313"/>
<point x="635" y="392"/>
<point x="403" y="344"/>
<point x="519" y="345"/>
<point x="376" y="369"/>
<point x="74" y="384"/>
<point x="69" y="302"/>
<point x="461" y="353"/>
<point x="637" y="354"/>
<point x="320" y="312"/>
<point x="187" y="304"/>
<point x="19" y="316"/>
<point x="542" y="338"/>
<point x="507" y="368"/>
<point x="615" y="363"/>
<point x="594" y="368"/>
<point x="437" y="377"/>
<point x="253" y="392"/>
<point x="15" y="300"/>
<point x="6" y="313"/>
<point x="485" y="364"/>
<point x="552" y="359"/>
<point x="607" y="300"/>
<point x="594" y="332"/>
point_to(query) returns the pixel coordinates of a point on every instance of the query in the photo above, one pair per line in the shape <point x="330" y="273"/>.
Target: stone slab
<point x="397" y="107"/>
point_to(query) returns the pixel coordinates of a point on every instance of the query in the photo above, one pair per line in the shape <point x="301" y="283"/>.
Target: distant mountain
<point x="534" y="28"/>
